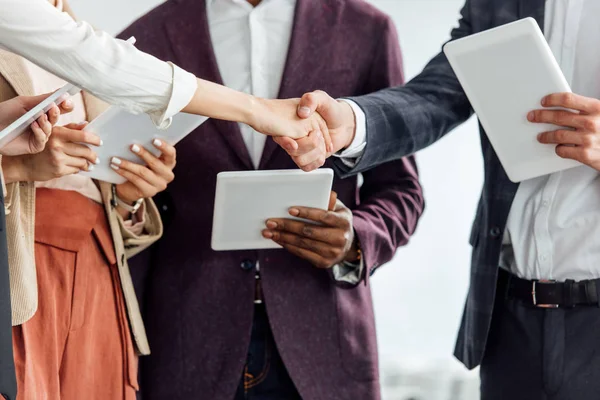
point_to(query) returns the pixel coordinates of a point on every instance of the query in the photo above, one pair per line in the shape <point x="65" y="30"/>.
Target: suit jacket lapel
<point x="197" y="56"/>
<point x="313" y="25"/>
<point x="13" y="68"/>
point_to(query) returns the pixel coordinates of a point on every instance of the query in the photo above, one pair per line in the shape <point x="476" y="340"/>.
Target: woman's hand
<point x="145" y="181"/>
<point x="279" y="118"/>
<point x="65" y="154"/>
<point x="33" y="140"/>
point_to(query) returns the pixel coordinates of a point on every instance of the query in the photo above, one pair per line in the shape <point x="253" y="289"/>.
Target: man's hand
<point x="578" y="135"/>
<point x="65" y="154"/>
<point x="324" y="245"/>
<point x="341" y="124"/>
<point x="34" y="140"/>
<point x="278" y="118"/>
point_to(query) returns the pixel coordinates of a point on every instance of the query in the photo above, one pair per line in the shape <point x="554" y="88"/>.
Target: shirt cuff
<point x="351" y="155"/>
<point x="348" y="272"/>
<point x="184" y="88"/>
<point x="135" y="225"/>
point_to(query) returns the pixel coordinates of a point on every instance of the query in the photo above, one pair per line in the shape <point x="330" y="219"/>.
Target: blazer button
<point x="248" y="265"/>
<point x="495" y="232"/>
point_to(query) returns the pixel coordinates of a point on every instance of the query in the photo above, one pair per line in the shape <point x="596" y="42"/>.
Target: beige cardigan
<point x="20" y="221"/>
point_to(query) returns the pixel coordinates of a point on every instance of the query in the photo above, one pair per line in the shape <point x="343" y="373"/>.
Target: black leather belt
<point x="549" y="294"/>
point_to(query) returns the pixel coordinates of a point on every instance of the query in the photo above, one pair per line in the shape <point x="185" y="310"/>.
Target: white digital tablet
<point x="22" y="124"/>
<point x="505" y="72"/>
<point x="119" y="129"/>
<point x="245" y="200"/>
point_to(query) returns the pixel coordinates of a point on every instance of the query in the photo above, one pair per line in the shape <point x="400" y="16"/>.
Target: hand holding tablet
<point x="505" y="72"/>
<point x="245" y="200"/>
<point x="26" y="121"/>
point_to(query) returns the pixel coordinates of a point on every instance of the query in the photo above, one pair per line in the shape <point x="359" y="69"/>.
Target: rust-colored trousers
<point x="77" y="346"/>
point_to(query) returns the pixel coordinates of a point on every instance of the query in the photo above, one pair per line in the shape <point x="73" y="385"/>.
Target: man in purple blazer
<point x="270" y="324"/>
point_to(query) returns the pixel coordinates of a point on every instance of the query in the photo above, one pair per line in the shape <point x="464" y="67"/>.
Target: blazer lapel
<point x="313" y="25"/>
<point x="12" y="68"/>
<point x="189" y="36"/>
<point x="533" y="8"/>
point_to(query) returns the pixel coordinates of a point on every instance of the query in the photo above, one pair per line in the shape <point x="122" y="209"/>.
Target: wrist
<point x="15" y="169"/>
<point x="254" y="113"/>
<point x="124" y="197"/>
<point x="349" y="130"/>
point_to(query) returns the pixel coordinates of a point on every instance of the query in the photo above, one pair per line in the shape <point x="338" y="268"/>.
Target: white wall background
<point x="419" y="296"/>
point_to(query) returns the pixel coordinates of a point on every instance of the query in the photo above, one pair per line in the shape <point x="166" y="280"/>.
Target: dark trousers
<point x="541" y="354"/>
<point x="8" y="380"/>
<point x="264" y="377"/>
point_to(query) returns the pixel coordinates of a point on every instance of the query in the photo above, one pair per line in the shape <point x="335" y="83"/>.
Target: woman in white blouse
<point x="119" y="74"/>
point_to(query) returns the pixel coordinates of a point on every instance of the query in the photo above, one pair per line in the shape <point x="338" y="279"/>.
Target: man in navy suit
<point x="532" y="315"/>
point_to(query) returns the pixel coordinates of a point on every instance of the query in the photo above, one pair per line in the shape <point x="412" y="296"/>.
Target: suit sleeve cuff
<point x="346" y="272"/>
<point x="351" y="155"/>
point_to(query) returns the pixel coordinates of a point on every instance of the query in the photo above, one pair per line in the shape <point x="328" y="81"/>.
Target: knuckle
<point x="566" y="98"/>
<point x="334" y="252"/>
<point x="170" y="177"/>
<point x="589" y="124"/>
<point x="557" y="118"/>
<point x="587" y="140"/>
<point x="586" y="155"/>
<point x="307" y="231"/>
<point x="144" y="173"/>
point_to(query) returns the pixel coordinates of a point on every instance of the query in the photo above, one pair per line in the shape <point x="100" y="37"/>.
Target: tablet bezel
<point x="542" y="160"/>
<point x="319" y="198"/>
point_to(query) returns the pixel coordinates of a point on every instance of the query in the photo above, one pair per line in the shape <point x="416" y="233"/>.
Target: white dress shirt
<point x="251" y="46"/>
<point x="554" y="223"/>
<point x="109" y="68"/>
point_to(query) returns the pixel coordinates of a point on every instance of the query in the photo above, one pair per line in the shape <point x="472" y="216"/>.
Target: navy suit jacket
<point x="403" y="120"/>
<point x="198" y="302"/>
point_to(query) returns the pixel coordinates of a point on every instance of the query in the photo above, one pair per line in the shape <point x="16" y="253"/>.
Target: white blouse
<point x="110" y="69"/>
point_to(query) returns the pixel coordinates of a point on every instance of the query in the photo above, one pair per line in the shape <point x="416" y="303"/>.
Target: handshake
<point x="309" y="129"/>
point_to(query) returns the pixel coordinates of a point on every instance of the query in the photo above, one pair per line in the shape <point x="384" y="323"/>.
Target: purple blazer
<point x="198" y="304"/>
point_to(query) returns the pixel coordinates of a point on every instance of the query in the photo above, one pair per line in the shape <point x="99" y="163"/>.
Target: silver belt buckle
<point x="534" y="294"/>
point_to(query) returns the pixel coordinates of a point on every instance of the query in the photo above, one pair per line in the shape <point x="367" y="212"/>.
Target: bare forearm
<point x="220" y="102"/>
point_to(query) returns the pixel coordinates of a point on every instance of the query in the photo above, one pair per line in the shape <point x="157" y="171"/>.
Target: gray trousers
<point x="541" y="354"/>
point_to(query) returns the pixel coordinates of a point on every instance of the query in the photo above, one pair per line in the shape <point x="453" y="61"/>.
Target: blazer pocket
<point x="357" y="336"/>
